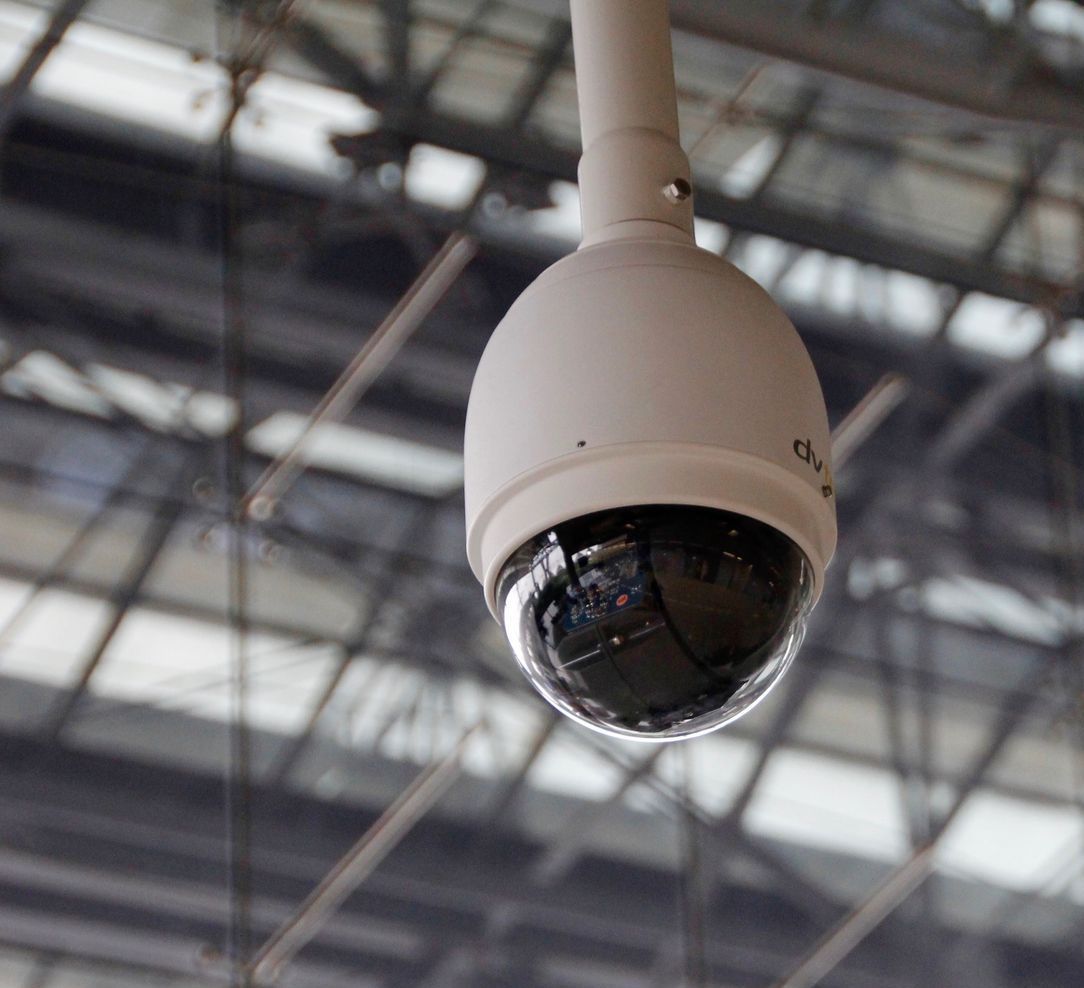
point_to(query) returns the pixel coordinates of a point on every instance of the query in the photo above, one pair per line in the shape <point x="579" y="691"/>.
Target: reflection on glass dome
<point x="657" y="622"/>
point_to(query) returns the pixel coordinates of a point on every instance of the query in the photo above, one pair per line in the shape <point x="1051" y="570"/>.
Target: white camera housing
<point x="644" y="372"/>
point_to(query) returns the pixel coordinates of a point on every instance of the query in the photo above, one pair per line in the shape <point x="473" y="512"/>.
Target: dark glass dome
<point x="657" y="622"/>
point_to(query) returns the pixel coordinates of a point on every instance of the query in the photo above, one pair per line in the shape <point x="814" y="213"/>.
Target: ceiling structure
<point x="905" y="180"/>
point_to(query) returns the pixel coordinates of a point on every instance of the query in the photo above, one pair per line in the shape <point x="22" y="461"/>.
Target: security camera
<point x="649" y="499"/>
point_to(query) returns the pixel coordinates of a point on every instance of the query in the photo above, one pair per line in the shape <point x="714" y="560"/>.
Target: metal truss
<point x="108" y="858"/>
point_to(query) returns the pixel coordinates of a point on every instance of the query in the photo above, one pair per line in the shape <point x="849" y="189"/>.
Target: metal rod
<point x="409" y="313"/>
<point x="72" y="550"/>
<point x="858" y="924"/>
<point x="727" y="108"/>
<point x="122" y="598"/>
<point x="358" y="863"/>
<point x="395" y="570"/>
<point x="864" y="419"/>
<point x="865" y="918"/>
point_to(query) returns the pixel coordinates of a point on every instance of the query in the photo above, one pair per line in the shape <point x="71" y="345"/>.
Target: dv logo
<point x="803" y="449"/>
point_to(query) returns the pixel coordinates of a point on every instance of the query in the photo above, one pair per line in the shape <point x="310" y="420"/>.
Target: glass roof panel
<point x="1008" y="842"/>
<point x="1066" y="355"/>
<point x="828" y="803"/>
<point x="287" y="589"/>
<point x="733" y="158"/>
<point x="187" y="25"/>
<point x="557" y="115"/>
<point x="518" y="25"/>
<point x="845" y="714"/>
<point x="1041" y="757"/>
<point x="53" y="631"/>
<point x="869" y="185"/>
<point x="184" y="665"/>
<point x="20" y="27"/>
<point x="713" y="770"/>
<point x="1046" y="241"/>
<point x="569" y="768"/>
<point x="996" y="326"/>
<point x="710" y="73"/>
<point x="993" y="156"/>
<point x="358" y="28"/>
<point x="961" y="731"/>
<point x="482" y="80"/>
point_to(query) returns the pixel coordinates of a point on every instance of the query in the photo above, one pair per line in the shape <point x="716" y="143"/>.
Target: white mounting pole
<point x="634" y="177"/>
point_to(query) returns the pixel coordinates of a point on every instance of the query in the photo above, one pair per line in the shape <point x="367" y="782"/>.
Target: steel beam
<point x="874" y="56"/>
<point x="775" y="219"/>
<point x="548" y="60"/>
<point x="506" y="147"/>
<point x="147" y="841"/>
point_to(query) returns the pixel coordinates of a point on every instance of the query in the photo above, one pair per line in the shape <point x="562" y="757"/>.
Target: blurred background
<point x="207" y="208"/>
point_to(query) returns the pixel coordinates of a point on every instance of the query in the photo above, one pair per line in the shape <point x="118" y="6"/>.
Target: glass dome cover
<point x="656" y="622"/>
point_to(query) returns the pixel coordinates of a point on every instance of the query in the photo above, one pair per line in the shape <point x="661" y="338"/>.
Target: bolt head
<point x="678" y="190"/>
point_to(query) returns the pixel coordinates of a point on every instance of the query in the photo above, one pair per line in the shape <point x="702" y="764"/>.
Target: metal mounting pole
<point x="634" y="176"/>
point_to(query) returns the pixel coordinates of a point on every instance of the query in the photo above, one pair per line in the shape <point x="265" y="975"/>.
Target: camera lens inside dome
<point x="656" y="622"/>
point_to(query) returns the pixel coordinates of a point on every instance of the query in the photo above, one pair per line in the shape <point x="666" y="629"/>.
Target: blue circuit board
<point x="602" y="593"/>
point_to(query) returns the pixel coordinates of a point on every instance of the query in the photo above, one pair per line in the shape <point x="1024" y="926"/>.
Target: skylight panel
<point x="169" y="89"/>
<point x="570" y="769"/>
<point x="20" y="27"/>
<point x="822" y="281"/>
<point x="50" y="639"/>
<point x="513" y="719"/>
<point x="844" y="714"/>
<point x="45" y="376"/>
<point x="145" y="82"/>
<point x="562" y="220"/>
<point x="1058" y="17"/>
<point x="829" y="804"/>
<point x="867" y="577"/>
<point x="1037" y="760"/>
<point x="912" y="303"/>
<point x="996" y="326"/>
<point x="375" y="692"/>
<point x="711" y="235"/>
<point x="763" y="258"/>
<point x="803" y="283"/>
<point x="18" y="969"/>
<point x="376" y="699"/>
<point x="715" y="768"/>
<point x="443" y="178"/>
<point x="979" y="603"/>
<point x="210" y="413"/>
<point x="292" y="121"/>
<point x="159" y="406"/>
<point x="370" y="456"/>
<point x="100" y="391"/>
<point x="1065" y="355"/>
<point x="745" y="176"/>
<point x="186" y="664"/>
<point x="1001" y="11"/>
<point x="1008" y="842"/>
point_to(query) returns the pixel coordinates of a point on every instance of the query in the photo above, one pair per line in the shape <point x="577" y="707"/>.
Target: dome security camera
<point x="648" y="491"/>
